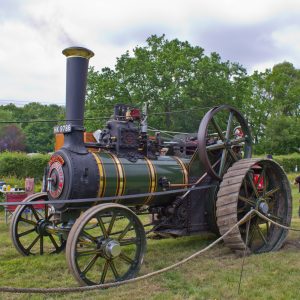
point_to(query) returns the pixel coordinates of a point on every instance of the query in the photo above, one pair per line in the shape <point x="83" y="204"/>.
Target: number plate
<point x="62" y="128"/>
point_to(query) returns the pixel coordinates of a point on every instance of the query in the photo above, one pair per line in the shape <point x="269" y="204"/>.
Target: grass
<point x="215" y="275"/>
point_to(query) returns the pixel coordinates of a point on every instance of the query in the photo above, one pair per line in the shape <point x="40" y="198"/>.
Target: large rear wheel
<point x="223" y="138"/>
<point x="254" y="184"/>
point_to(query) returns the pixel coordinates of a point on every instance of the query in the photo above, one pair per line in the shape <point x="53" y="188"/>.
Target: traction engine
<point x="103" y="189"/>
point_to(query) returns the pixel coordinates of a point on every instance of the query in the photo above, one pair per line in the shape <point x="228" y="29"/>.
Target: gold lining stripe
<point x="153" y="180"/>
<point x="183" y="169"/>
<point x="102" y="180"/>
<point x="121" y="178"/>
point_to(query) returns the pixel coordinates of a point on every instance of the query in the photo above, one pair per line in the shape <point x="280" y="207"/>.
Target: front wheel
<point x="30" y="235"/>
<point x="106" y="244"/>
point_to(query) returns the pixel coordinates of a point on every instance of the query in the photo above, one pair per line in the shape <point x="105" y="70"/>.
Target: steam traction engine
<point x="190" y="184"/>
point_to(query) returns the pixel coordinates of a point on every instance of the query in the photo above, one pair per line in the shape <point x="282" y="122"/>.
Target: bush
<point x="21" y="165"/>
<point x="289" y="161"/>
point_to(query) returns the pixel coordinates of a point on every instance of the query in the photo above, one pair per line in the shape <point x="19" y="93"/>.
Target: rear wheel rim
<point x="268" y="192"/>
<point x="217" y="156"/>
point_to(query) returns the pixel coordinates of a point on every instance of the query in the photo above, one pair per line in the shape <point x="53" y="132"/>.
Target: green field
<point x="215" y="275"/>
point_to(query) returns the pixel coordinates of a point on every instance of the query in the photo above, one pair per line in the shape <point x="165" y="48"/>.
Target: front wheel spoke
<point x="104" y="272"/>
<point x="41" y="245"/>
<point x="217" y="127"/>
<point x="102" y="226"/>
<point x="89" y="237"/>
<point x="111" y="224"/>
<point x="90" y="264"/>
<point x="271" y="192"/>
<point x="114" y="270"/>
<point x="27" y="221"/>
<point x="126" y="258"/>
<point x="26" y="232"/>
<point x="246" y="200"/>
<point x="53" y="242"/>
<point x="46" y="211"/>
<point x="121" y="236"/>
<point x="34" y="213"/>
<point x="126" y="242"/>
<point x="261" y="234"/>
<point x="87" y="252"/>
<point x="33" y="243"/>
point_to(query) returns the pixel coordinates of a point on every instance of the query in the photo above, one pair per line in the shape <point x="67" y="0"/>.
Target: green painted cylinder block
<point x="119" y="176"/>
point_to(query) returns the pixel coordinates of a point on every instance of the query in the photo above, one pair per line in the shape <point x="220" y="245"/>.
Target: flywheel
<point x="254" y="184"/>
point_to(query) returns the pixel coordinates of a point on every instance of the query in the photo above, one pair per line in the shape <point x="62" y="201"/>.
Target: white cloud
<point x="34" y="32"/>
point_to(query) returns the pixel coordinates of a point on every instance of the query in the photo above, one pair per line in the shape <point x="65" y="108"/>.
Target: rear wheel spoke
<point x="233" y="155"/>
<point x="223" y="162"/>
<point x="271" y="192"/>
<point x="246" y="200"/>
<point x="229" y="123"/>
<point x="217" y="127"/>
<point x="261" y="234"/>
<point x="254" y="189"/>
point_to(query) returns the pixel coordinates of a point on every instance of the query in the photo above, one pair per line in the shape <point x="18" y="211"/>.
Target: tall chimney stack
<point x="77" y="68"/>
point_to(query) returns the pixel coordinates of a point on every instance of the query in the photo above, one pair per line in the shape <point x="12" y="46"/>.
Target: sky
<point x="256" y="34"/>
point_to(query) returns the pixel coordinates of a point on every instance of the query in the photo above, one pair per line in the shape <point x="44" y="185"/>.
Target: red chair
<point x="12" y="197"/>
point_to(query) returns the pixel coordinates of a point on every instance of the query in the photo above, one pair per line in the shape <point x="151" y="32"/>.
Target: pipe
<point x="77" y="69"/>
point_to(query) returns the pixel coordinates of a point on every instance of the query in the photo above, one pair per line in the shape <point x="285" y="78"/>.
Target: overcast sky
<point x="257" y="34"/>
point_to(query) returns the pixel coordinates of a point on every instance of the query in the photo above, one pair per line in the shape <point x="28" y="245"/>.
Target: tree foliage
<point x="179" y="82"/>
<point x="32" y="137"/>
<point x="167" y="76"/>
<point x="172" y="76"/>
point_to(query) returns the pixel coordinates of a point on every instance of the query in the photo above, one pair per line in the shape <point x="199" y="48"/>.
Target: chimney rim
<point x="78" y="52"/>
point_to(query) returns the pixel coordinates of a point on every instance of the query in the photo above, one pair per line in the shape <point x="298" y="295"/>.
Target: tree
<point x="11" y="138"/>
<point x="168" y="76"/>
<point x="281" y="135"/>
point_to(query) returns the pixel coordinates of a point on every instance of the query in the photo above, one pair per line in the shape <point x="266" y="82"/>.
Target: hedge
<point x="289" y="162"/>
<point x="21" y="165"/>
